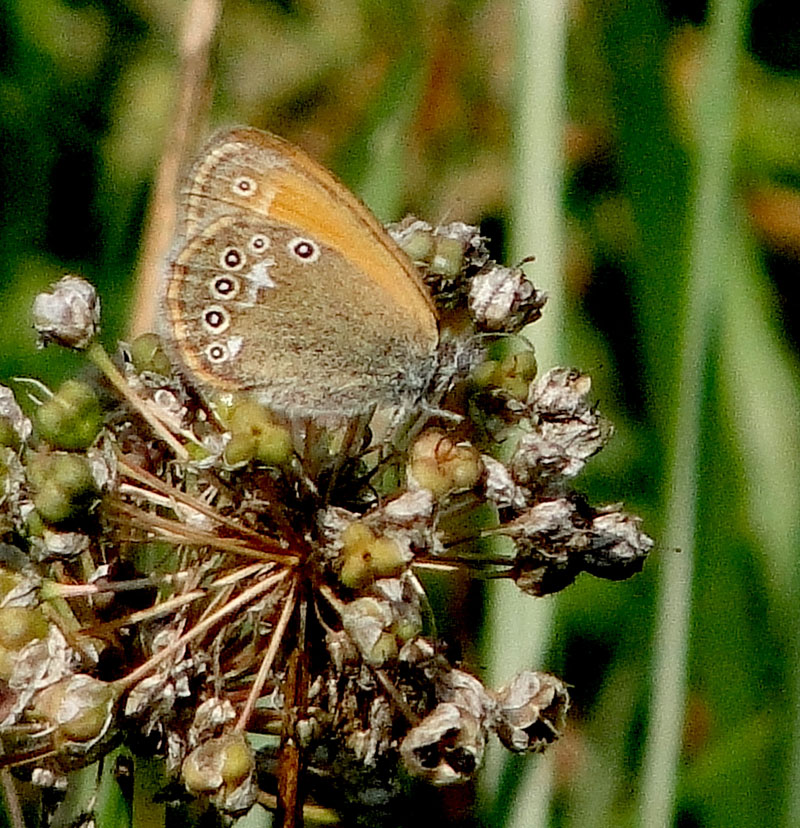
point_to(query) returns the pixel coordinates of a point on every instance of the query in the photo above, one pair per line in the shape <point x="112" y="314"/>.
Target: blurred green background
<point x="647" y="153"/>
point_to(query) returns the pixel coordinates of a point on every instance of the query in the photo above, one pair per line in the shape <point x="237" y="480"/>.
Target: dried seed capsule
<point x="446" y="746"/>
<point x="500" y="487"/>
<point x="618" y="547"/>
<point x="532" y="710"/>
<point x="69" y="315"/>
<point x="15" y="427"/>
<point x="368" y="622"/>
<point x="558" y="539"/>
<point x="568" y="430"/>
<point x="504" y="299"/>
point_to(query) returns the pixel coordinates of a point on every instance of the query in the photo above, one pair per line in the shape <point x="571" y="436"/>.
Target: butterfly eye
<point x="243" y="186"/>
<point x="224" y="287"/>
<point x="232" y="258"/>
<point x="217" y="352"/>
<point x="216" y="319"/>
<point x="304" y="250"/>
<point x="258" y="243"/>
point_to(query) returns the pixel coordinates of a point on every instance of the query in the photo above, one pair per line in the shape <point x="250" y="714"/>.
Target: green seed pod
<point x="237" y="761"/>
<point x="385" y="648"/>
<point x="79" y="707"/>
<point x="256" y="435"/>
<point x="20" y="625"/>
<point x="515" y="373"/>
<point x="240" y="449"/>
<point x="367" y="556"/>
<point x="147" y="353"/>
<point x="63" y="485"/>
<point x="226" y="762"/>
<point x="483" y="374"/>
<point x="34" y="524"/>
<point x="418" y="243"/>
<point x="355" y="572"/>
<point x="8" y="581"/>
<point x="442" y="466"/>
<point x="8" y="660"/>
<point x="197" y="453"/>
<point x="53" y="504"/>
<point x="407" y="626"/>
<point x="274" y="446"/>
<point x="72" y="472"/>
<point x="71" y="419"/>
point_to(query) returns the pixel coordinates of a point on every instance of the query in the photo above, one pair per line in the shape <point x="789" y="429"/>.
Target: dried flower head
<point x="69" y="314"/>
<point x="188" y="572"/>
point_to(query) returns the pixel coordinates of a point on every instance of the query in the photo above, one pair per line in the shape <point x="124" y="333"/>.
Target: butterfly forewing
<point x="284" y="283"/>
